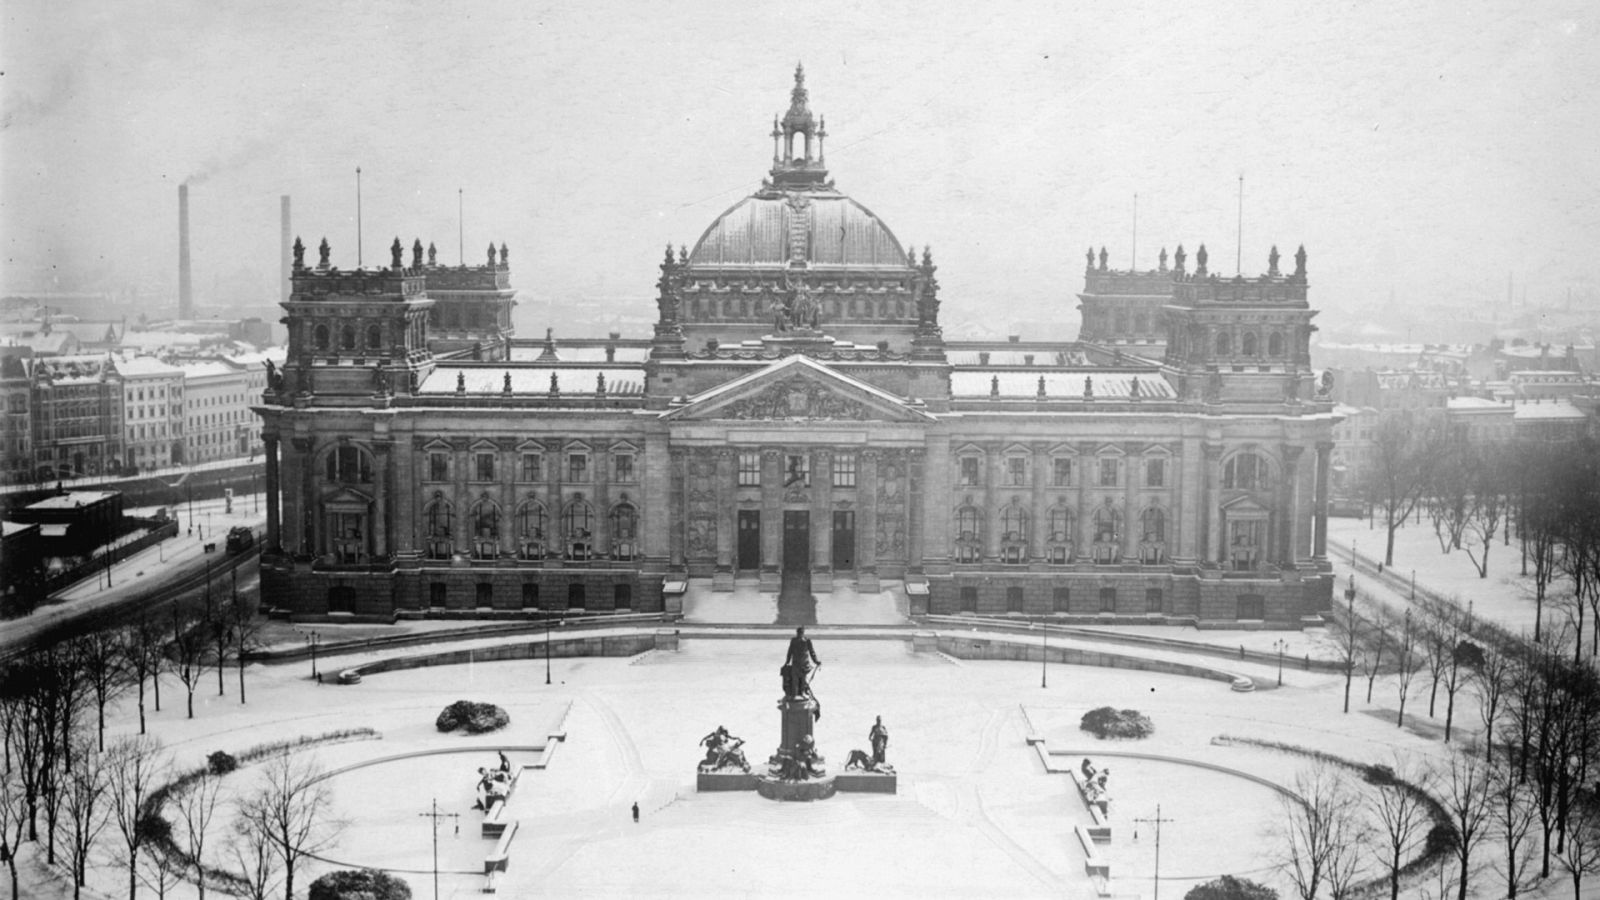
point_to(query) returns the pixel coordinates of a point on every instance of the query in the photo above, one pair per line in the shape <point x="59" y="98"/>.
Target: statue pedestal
<point x="798" y="717"/>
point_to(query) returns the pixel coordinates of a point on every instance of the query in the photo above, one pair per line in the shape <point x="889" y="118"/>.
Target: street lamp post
<point x="1282" y="645"/>
<point x="547" y="636"/>
<point x="312" y="639"/>
<point x="1044" y="655"/>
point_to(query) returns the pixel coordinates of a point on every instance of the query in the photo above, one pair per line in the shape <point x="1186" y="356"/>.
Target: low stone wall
<point x="599" y="645"/>
<point x="1027" y="649"/>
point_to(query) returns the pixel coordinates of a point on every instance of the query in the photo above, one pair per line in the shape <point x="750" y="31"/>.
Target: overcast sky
<point x="1423" y="148"/>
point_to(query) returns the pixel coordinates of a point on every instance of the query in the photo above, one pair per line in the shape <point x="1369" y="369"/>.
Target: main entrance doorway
<point x="749" y="539"/>
<point x="796" y="605"/>
<point x="844" y="540"/>
<point x="796" y="541"/>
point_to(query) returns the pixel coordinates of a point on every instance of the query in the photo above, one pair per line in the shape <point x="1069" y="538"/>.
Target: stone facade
<point x="796" y="414"/>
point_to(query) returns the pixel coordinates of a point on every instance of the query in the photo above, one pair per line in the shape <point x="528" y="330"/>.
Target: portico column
<point x="602" y="501"/>
<point x="1131" y="525"/>
<point x="274" y="526"/>
<point x="725" y="517"/>
<point x="771" y="517"/>
<point x="302" y="493"/>
<point x="867" y="524"/>
<point x="914" y="507"/>
<point x="821" y="516"/>
<point x="1319" y="548"/>
<point x="382" y="485"/>
<point x="677" y="507"/>
<point x="1288" y="506"/>
<point x="991" y="514"/>
<point x="1036" y="511"/>
<point x="1083" y="517"/>
<point x="1215" y="547"/>
<point x="554" y="462"/>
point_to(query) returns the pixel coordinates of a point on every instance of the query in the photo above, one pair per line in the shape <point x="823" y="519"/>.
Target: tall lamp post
<point x="435" y="815"/>
<point x="1044" y="654"/>
<point x="547" y="636"/>
<point x="1157" y="822"/>
<point x="1281" y="646"/>
<point x="312" y="639"/>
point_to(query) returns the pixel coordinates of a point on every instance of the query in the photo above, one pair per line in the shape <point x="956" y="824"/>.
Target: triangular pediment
<point x="799" y="389"/>
<point x="1244" y="505"/>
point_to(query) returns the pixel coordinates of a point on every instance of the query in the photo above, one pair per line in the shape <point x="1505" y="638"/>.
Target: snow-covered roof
<point x="1553" y="410"/>
<point x="1107" y="385"/>
<point x="625" y="381"/>
<point x="1476" y="404"/>
<point x="146" y="367"/>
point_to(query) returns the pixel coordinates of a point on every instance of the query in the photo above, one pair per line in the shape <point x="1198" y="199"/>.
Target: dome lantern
<point x="794" y="167"/>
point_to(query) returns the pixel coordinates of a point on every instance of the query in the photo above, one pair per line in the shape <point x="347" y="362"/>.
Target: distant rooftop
<point x="72" y="500"/>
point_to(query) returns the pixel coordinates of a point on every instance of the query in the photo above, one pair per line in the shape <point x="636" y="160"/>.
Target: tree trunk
<point x="141" y="704"/>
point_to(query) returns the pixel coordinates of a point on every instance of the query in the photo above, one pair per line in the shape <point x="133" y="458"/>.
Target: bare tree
<point x="1321" y="832"/>
<point x="293" y="812"/>
<point x="1542" y="498"/>
<point x="142" y="649"/>
<point x="216" y="624"/>
<point x="86" y="809"/>
<point x="246" y="628"/>
<point x="1465" y="794"/>
<point x="1406" y="666"/>
<point x="158" y="874"/>
<point x="1491" y="503"/>
<point x="1514" y="814"/>
<point x="257" y="864"/>
<point x="1437" y="649"/>
<point x="1402" y="820"/>
<point x="1447" y="494"/>
<point x="105" y="668"/>
<point x="1492" y="680"/>
<point x="197" y="807"/>
<point x="13" y="822"/>
<point x="1402" y="457"/>
<point x="135" y="765"/>
<point x="1581" y="854"/>
<point x="188" y="649"/>
<point x="1348" y="647"/>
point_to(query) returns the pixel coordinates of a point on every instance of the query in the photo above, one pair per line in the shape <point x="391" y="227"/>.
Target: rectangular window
<point x="622" y="594"/>
<point x="1016" y="471"/>
<point x="576" y="598"/>
<point x="438" y="466"/>
<point x="484" y="595"/>
<point x="1155" y="473"/>
<point x="969" y="599"/>
<point x="1108" y="473"/>
<point x="485" y="467"/>
<point x="844" y="470"/>
<point x="969" y="471"/>
<point x="1060" y="599"/>
<point x="1152" y="600"/>
<point x="577" y="467"/>
<point x="797" y="470"/>
<point x="749" y="470"/>
<point x="1014" y="599"/>
<point x="437" y="591"/>
<point x="1108" y="600"/>
<point x="1060" y="472"/>
<point x="530" y="596"/>
<point x="532" y="467"/>
<point x="622" y="467"/>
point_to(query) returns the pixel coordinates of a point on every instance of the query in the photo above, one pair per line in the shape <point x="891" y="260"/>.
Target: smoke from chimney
<point x="185" y="289"/>
<point x="284" y="249"/>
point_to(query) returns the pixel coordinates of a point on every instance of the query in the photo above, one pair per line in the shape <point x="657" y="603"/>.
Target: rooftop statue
<point x="323" y="252"/>
<point x="1163" y="259"/>
<point x="504" y="255"/>
<point x="1179" y="259"/>
<point x="395" y="252"/>
<point x="416" y="253"/>
<point x="1272" y="261"/>
<point x="1300" y="261"/>
<point x="491" y="254"/>
<point x="299" y="253"/>
<point x="432" y="255"/>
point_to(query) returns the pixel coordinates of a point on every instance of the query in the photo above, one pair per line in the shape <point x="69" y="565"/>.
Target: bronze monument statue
<point x="798" y="666"/>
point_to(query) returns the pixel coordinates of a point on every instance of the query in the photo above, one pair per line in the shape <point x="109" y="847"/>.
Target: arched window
<point x="969" y="534"/>
<point x="348" y="465"/>
<point x="1247" y="344"/>
<point x="347" y="338"/>
<point x="624" y="530"/>
<point x="1275" y="344"/>
<point x="1014" y="524"/>
<point x="319" y="337"/>
<point x="968" y="524"/>
<point x="374" y="336"/>
<point x="439" y="522"/>
<point x="1060" y="523"/>
<point x="1153" y="524"/>
<point x="1224" y="344"/>
<point x="577" y="527"/>
<point x="1107" y="525"/>
<point x="1245" y="472"/>
<point x="486" y="529"/>
<point x="531" y="526"/>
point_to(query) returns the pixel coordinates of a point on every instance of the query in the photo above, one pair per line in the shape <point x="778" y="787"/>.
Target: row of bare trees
<point x="1519" y="800"/>
<point x="58" y="768"/>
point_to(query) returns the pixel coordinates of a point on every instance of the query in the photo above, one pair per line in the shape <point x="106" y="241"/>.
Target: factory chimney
<point x="284" y="249"/>
<point x="185" y="290"/>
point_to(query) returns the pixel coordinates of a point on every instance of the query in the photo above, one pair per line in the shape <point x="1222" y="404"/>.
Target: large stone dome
<point x="825" y="230"/>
